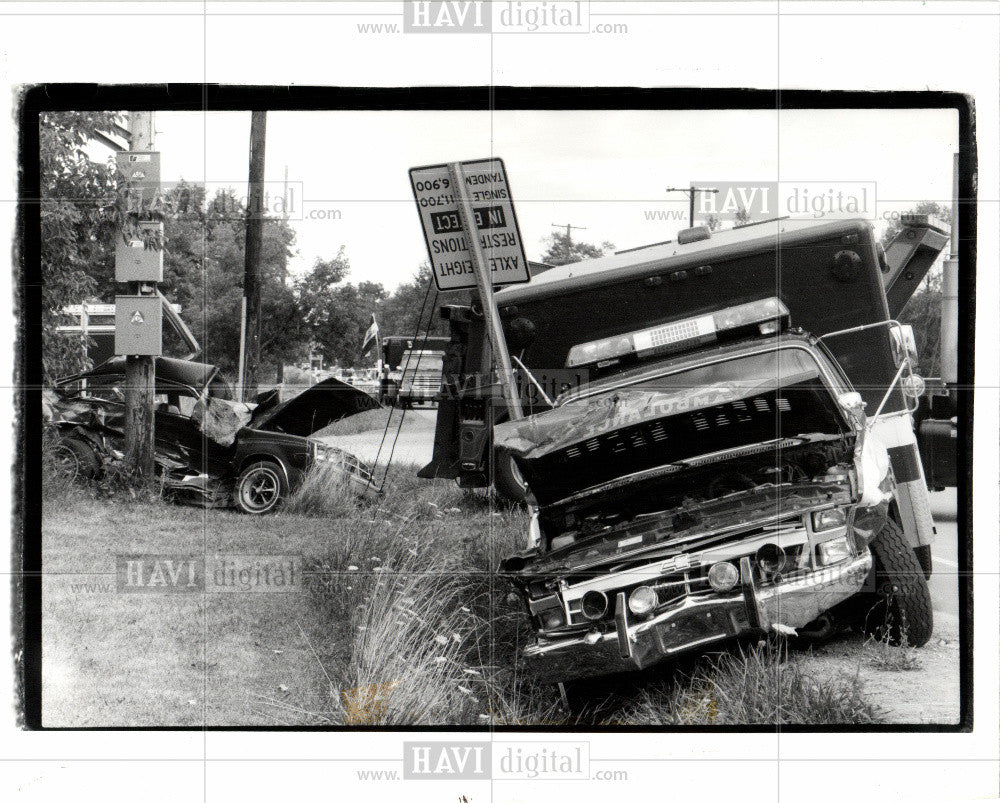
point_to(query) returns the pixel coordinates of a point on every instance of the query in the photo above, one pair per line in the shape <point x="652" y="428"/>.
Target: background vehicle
<point x="207" y="446"/>
<point x="412" y="369"/>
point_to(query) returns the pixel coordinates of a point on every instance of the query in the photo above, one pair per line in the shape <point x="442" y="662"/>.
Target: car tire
<point x="900" y="608"/>
<point x="77" y="459"/>
<point x="260" y="488"/>
<point x="923" y="554"/>
<point x="507" y="479"/>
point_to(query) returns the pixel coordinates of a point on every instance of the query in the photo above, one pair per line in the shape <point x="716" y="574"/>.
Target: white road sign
<point x="496" y="224"/>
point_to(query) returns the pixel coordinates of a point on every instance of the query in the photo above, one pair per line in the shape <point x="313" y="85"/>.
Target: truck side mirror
<point x="852" y="403"/>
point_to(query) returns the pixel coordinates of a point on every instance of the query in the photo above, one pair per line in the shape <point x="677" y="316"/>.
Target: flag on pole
<point x="371" y="336"/>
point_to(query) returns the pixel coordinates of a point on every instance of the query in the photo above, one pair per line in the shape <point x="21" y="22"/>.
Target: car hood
<point x="312" y="410"/>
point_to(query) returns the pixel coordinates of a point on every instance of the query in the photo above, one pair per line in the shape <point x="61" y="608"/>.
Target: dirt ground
<point x="928" y="693"/>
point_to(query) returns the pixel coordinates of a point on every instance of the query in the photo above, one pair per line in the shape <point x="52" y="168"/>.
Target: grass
<point x="758" y="685"/>
<point x="404" y="623"/>
<point x="880" y="654"/>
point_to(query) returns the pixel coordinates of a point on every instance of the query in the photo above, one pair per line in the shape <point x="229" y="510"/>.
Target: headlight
<point x="833" y="551"/>
<point x="594" y="605"/>
<point x="828" y="519"/>
<point x="323" y="452"/>
<point x="723" y="576"/>
<point x="642" y="600"/>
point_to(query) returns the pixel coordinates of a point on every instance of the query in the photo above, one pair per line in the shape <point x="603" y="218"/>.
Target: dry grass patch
<point x="759" y="685"/>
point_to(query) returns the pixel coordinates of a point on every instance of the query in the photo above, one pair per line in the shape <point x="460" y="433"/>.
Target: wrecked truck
<point x="209" y="448"/>
<point x="731" y="452"/>
<point x="736" y="491"/>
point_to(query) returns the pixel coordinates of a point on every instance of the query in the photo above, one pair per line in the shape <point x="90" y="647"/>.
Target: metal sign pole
<point x="484" y="281"/>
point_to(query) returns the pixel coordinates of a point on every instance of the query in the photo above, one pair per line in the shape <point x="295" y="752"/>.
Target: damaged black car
<point x="210" y="449"/>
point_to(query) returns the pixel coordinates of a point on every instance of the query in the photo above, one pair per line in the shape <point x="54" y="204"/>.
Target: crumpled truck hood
<point x="664" y="423"/>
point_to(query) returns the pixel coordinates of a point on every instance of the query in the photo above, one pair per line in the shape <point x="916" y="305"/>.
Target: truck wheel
<point x="507" y="478"/>
<point x="76" y="459"/>
<point x="923" y="554"/>
<point x="260" y="488"/>
<point x="900" y="608"/>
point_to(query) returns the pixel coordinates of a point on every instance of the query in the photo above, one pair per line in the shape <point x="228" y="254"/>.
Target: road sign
<point x="498" y="235"/>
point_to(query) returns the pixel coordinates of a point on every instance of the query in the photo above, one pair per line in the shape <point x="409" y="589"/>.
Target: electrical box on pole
<point x="136" y="257"/>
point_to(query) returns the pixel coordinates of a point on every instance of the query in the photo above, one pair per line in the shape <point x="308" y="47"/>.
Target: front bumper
<point x="697" y="621"/>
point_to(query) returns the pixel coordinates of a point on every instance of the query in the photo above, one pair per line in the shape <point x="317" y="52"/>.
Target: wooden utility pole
<point x="279" y="378"/>
<point x="569" y="228"/>
<point x="140" y="372"/>
<point x="250" y="369"/>
<point x="691" y="193"/>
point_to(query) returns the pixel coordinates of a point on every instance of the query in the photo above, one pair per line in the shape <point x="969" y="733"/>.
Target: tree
<point x="337" y="312"/>
<point x="78" y="224"/>
<point x="563" y="250"/>
<point x="203" y="272"/>
<point x="399" y="313"/>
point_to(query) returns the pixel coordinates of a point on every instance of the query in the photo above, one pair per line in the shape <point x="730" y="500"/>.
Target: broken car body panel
<point x="313" y="409"/>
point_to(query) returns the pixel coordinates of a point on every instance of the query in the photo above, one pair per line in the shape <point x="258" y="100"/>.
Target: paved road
<point x="413" y="447"/>
<point x="944" y="580"/>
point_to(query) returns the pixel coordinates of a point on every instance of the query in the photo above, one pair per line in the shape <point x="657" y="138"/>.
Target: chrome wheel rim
<point x="260" y="490"/>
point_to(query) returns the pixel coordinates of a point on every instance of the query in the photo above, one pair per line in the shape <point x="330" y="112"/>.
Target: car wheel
<point x="900" y="609"/>
<point x="507" y="478"/>
<point x="75" y="459"/>
<point x="260" y="488"/>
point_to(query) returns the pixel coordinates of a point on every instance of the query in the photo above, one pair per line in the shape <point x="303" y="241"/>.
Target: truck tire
<point x="76" y="459"/>
<point x="260" y="488"/>
<point x="900" y="608"/>
<point x="507" y="478"/>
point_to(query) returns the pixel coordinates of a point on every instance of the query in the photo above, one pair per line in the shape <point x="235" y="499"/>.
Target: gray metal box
<point x="134" y="263"/>
<point x="138" y="325"/>
<point x="141" y="170"/>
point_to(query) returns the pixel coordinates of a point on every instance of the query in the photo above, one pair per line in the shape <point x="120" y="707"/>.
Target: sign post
<point x="484" y="279"/>
<point x="474" y="242"/>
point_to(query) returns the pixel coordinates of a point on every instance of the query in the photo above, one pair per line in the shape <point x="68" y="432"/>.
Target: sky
<point x="604" y="171"/>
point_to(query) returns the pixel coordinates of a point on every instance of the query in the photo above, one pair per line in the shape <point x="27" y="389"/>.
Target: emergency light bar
<point x="765" y="314"/>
